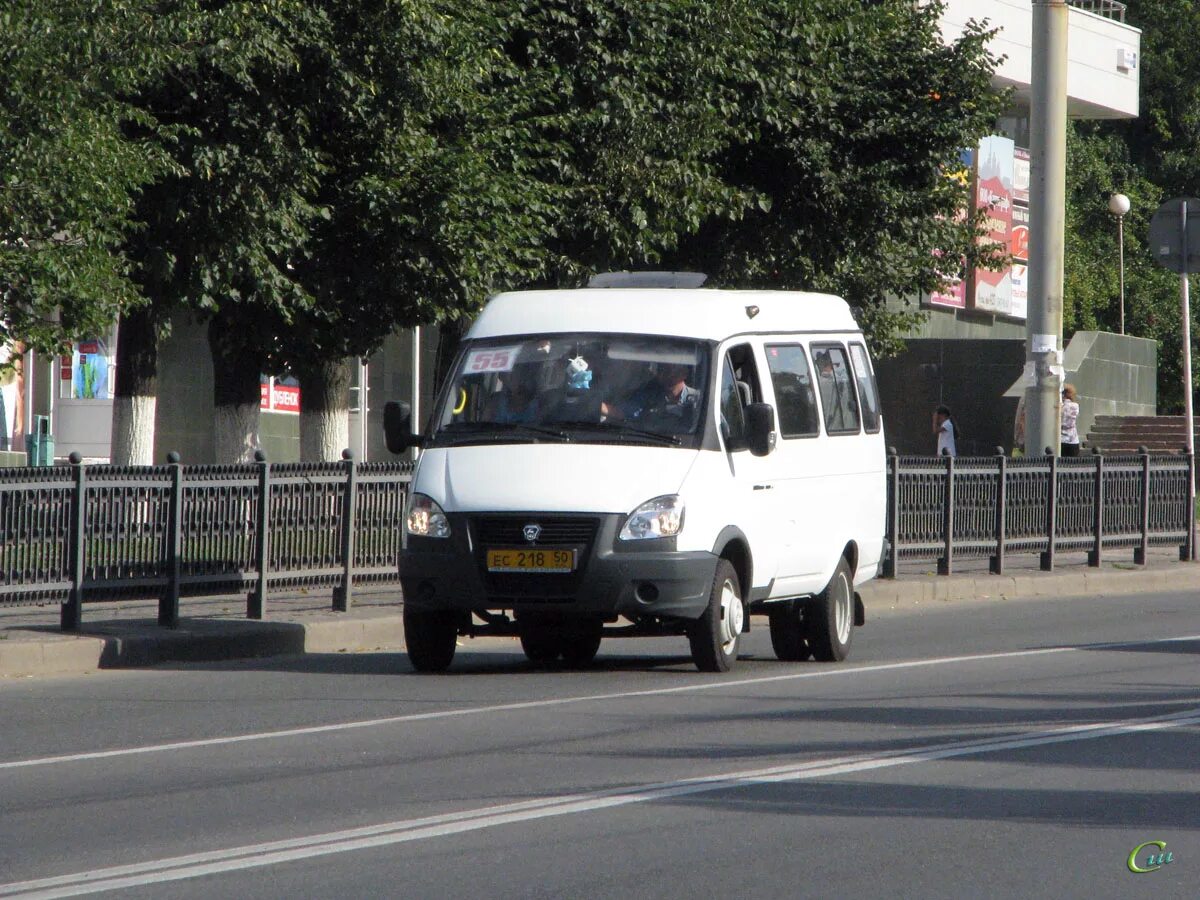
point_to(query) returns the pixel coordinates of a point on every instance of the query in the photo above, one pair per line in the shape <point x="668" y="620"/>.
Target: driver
<point x="667" y="392"/>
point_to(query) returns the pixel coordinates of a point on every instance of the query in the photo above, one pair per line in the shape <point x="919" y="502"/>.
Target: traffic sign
<point x="1168" y="231"/>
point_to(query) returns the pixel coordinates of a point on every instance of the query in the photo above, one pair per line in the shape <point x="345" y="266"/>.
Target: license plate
<point x="526" y="560"/>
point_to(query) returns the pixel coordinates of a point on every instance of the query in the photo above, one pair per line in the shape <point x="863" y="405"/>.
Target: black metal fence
<point x="77" y="534"/>
<point x="91" y="533"/>
<point x="942" y="508"/>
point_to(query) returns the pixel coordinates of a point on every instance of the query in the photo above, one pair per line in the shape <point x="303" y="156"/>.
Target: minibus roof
<point x="701" y="313"/>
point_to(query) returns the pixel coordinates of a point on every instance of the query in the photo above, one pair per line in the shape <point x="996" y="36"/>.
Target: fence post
<point x="996" y="565"/>
<point x="256" y="601"/>
<point x="893" y="514"/>
<point x="1051" y="511"/>
<point x="1139" y="552"/>
<point x="71" y="614"/>
<point x="946" y="563"/>
<point x="342" y="593"/>
<point x="1188" y="550"/>
<point x="1098" y="516"/>
<point x="168" y="603"/>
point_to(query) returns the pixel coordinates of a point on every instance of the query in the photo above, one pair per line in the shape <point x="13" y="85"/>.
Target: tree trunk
<point x="237" y="373"/>
<point x="136" y="388"/>
<point x="324" y="411"/>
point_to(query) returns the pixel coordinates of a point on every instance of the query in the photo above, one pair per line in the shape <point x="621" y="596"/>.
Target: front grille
<point x="490" y="532"/>
<point x="509" y="531"/>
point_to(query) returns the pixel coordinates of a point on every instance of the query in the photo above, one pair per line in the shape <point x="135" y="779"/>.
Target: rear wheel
<point x="430" y="637"/>
<point x="714" y="637"/>
<point x="829" y="617"/>
<point x="789" y="635"/>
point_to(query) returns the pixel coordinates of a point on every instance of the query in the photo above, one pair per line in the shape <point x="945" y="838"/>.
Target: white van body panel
<point x="703" y="314"/>
<point x="550" y="477"/>
<point x="784" y="519"/>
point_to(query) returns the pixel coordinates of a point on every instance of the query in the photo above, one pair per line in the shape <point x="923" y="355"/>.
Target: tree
<point x="851" y="114"/>
<point x="73" y="158"/>
<point x="1151" y="158"/>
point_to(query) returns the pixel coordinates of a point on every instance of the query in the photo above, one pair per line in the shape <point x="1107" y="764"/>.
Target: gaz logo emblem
<point x="531" y="532"/>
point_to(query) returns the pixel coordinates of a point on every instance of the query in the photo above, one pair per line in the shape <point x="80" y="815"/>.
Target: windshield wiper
<point x="624" y="428"/>
<point x="491" y="431"/>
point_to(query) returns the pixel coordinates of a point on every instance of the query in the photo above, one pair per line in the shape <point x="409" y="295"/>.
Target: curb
<point x="135" y="643"/>
<point x="881" y="596"/>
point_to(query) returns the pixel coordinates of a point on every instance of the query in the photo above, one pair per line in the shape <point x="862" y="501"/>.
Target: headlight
<point x="425" y="518"/>
<point x="657" y="518"/>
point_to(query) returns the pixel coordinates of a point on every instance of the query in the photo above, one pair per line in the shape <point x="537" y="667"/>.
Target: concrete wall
<point x="1097" y="87"/>
<point x="968" y="375"/>
<point x="1115" y="375"/>
<point x="184" y="413"/>
<point x="981" y="380"/>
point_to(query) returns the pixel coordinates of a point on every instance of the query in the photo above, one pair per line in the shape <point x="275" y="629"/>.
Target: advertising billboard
<point x="991" y="291"/>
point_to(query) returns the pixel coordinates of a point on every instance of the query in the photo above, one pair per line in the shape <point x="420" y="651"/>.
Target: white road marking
<point x="251" y="856"/>
<point x="564" y="701"/>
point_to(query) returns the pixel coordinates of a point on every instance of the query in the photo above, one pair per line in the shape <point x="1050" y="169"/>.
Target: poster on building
<point x="991" y="291"/>
<point x="87" y="373"/>
<point x="1019" y="248"/>
<point x="279" y="394"/>
<point x="1020" y="176"/>
<point x="12" y="398"/>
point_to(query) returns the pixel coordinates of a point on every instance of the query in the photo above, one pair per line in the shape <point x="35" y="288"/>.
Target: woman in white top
<point x="1070" y="413"/>
<point x="946" y="431"/>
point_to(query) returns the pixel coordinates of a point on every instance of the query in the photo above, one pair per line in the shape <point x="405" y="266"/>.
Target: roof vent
<point x="647" y="280"/>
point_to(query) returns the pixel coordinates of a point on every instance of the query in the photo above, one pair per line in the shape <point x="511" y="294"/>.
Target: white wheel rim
<point x="731" y="617"/>
<point x="842" y="609"/>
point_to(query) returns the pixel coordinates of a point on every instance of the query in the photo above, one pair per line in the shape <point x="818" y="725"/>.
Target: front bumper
<point x="611" y="578"/>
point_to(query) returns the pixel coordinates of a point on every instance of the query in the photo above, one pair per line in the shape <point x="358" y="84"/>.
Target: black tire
<point x="430" y="637"/>
<point x="540" y="645"/>
<point x="829" y="617"/>
<point x="715" y="636"/>
<point x="578" y="650"/>
<point x="789" y="635"/>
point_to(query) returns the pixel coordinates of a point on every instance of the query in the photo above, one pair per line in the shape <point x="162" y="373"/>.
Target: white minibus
<point x="623" y="460"/>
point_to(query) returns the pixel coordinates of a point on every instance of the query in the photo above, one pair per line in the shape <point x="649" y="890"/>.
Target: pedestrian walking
<point x="946" y="430"/>
<point x="1070" y="414"/>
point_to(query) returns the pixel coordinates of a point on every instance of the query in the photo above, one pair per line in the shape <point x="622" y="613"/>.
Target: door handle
<point x="763" y="487"/>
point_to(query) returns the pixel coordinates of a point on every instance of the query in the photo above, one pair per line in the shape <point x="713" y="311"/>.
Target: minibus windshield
<point x="576" y="387"/>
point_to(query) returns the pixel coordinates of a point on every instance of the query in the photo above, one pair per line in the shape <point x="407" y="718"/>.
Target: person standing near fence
<point x="1070" y="414"/>
<point x="946" y="430"/>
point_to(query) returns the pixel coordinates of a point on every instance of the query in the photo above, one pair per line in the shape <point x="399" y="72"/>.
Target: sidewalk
<point x="124" y="634"/>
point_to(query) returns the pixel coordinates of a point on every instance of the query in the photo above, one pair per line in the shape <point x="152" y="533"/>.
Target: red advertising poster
<point x="991" y="291"/>
<point x="281" y="395"/>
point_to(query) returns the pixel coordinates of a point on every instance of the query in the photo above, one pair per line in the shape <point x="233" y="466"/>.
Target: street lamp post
<point x="1118" y="205"/>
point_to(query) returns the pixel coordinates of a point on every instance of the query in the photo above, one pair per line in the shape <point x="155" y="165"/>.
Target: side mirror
<point x="397" y="427"/>
<point x="760" y="428"/>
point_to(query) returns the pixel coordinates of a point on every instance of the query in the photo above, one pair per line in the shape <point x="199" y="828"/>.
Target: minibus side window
<point x="867" y="391"/>
<point x="838" y="400"/>
<point x="794" y="397"/>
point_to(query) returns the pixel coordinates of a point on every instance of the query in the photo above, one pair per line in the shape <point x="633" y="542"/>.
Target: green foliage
<point x="71" y="161"/>
<point x="851" y="116"/>
<point x="1150" y="159"/>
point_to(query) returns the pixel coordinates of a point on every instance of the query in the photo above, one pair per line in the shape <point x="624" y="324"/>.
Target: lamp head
<point x="1118" y="204"/>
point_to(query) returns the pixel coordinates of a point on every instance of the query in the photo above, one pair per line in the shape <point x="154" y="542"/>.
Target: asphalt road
<point x="1015" y="750"/>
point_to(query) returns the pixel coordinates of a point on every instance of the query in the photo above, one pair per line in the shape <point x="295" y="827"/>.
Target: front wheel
<point x="430" y="637"/>
<point x="829" y="617"/>
<point x="714" y="637"/>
